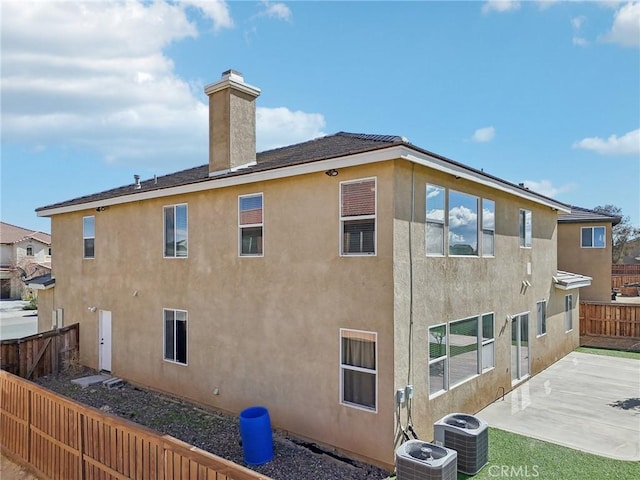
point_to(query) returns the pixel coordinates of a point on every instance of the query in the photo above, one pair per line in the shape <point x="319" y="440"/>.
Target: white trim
<point x="593" y="233"/>
<point x="249" y="225"/>
<point x="391" y="153"/>
<point x="428" y="221"/>
<point x="358" y="369"/>
<point x="164" y="339"/>
<point x="491" y="341"/>
<point x="359" y="217"/>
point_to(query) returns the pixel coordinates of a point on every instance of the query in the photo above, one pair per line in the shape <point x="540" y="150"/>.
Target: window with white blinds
<point x="358" y="217"/>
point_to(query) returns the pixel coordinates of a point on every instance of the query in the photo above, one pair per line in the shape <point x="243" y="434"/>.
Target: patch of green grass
<point x="609" y="353"/>
<point x="516" y="456"/>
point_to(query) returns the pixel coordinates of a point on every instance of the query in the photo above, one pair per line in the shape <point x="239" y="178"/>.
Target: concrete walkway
<point x="584" y="401"/>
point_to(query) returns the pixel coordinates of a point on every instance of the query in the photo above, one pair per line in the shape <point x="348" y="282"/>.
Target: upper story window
<point x="89" y="236"/>
<point x="358" y="366"/>
<point x="29" y="251"/>
<point x="434" y="232"/>
<point x="525" y="228"/>
<point x="49" y="251"/>
<point x="358" y="217"/>
<point x="175" y="231"/>
<point x="593" y="237"/>
<point x="250" y="224"/>
<point x="463" y="224"/>
<point x="488" y="227"/>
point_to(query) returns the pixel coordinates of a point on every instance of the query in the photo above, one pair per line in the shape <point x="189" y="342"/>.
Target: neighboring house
<point x="318" y="280"/>
<point x="24" y="255"/>
<point x="584" y="246"/>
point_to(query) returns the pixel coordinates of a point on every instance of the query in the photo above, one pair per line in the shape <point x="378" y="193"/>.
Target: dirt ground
<point x="13" y="471"/>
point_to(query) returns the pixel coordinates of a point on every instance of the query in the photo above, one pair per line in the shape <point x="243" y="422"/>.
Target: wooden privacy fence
<point x="625" y="269"/>
<point x="40" y="354"/>
<point x="610" y="319"/>
<point x="65" y="440"/>
<point x="618" y="281"/>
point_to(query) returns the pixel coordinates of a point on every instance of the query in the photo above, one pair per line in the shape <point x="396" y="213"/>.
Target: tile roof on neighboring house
<point x="584" y="215"/>
<point x="341" y="145"/>
<point x="10" y="234"/>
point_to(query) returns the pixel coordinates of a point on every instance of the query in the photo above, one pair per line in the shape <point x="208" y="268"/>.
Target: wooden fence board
<point x="65" y="440"/>
<point x="610" y="319"/>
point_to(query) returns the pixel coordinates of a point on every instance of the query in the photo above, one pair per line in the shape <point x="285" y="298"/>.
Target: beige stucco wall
<point x="264" y="331"/>
<point x="453" y="288"/>
<point x="593" y="262"/>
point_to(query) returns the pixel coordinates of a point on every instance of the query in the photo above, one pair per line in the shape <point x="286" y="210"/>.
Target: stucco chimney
<point x="232" y="123"/>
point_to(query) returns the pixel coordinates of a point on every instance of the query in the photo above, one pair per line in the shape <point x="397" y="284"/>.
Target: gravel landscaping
<point x="209" y="430"/>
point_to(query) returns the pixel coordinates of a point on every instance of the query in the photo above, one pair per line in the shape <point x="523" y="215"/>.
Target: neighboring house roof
<point x="568" y="281"/>
<point x="333" y="151"/>
<point x="43" y="282"/>
<point x="10" y="234"/>
<point x="584" y="215"/>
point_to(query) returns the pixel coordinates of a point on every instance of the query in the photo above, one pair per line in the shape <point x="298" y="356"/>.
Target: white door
<point x="104" y="340"/>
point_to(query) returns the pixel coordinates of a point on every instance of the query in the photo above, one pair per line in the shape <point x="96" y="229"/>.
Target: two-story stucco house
<point x="24" y="254"/>
<point x="318" y="280"/>
<point x="584" y="246"/>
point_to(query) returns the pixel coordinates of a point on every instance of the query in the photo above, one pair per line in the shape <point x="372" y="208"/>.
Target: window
<point x="358" y="368"/>
<point x="488" y="342"/>
<point x="488" y="227"/>
<point x="29" y="251"/>
<point x="525" y="228"/>
<point x="250" y="224"/>
<point x="542" y="317"/>
<point x="437" y="359"/>
<point x="175" y="336"/>
<point x="463" y="350"/>
<point x="592" y="237"/>
<point x="175" y="231"/>
<point x="434" y="220"/>
<point x="49" y="251"/>
<point x="358" y="217"/>
<point x="89" y="236"/>
<point x="568" y="313"/>
<point x="463" y="224"/>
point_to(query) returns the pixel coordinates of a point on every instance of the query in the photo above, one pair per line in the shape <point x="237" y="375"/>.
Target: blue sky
<point x="545" y="93"/>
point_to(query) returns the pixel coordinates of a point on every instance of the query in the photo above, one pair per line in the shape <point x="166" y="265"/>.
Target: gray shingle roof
<point x="584" y="215"/>
<point x="331" y="146"/>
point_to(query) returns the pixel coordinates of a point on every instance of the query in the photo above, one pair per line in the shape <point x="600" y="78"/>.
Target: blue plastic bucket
<point x="255" y="431"/>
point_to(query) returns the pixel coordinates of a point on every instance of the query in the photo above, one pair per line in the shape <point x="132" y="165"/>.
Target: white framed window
<point x="250" y="225"/>
<point x="358" y="368"/>
<point x="488" y="227"/>
<point x="89" y="236"/>
<point x="176" y="230"/>
<point x="463" y="350"/>
<point x="541" y="317"/>
<point x="525" y="228"/>
<point x="568" y="313"/>
<point x="175" y="336"/>
<point x="463" y="224"/>
<point x="29" y="251"/>
<point x="593" y="237"/>
<point x="438" y="371"/>
<point x="358" y="217"/>
<point x="487" y="324"/>
<point x="435" y="223"/>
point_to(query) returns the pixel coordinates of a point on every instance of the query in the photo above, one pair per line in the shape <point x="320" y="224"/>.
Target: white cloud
<point x="546" y="188"/>
<point x="544" y="4"/>
<point x="277" y="127"/>
<point x="580" y="42"/>
<point x="484" y="135"/>
<point x="627" y="144"/>
<point x="216" y="10"/>
<point x="276" y="10"/>
<point x="500" y="6"/>
<point x="626" y="26"/>
<point x="96" y="79"/>
<point x="461" y="216"/>
<point x="577" y="22"/>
